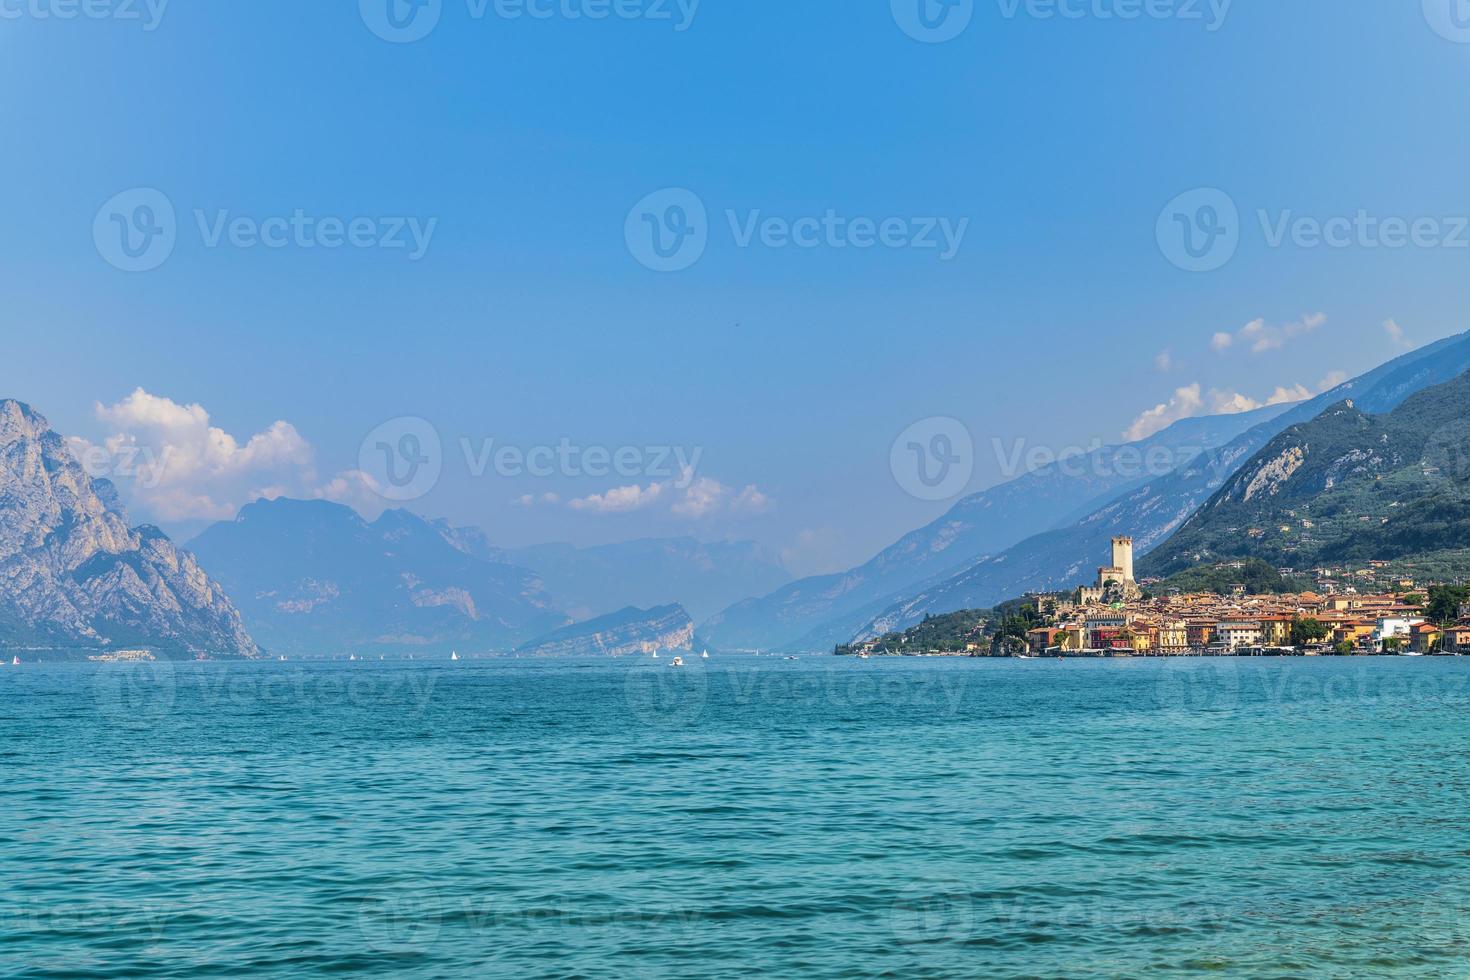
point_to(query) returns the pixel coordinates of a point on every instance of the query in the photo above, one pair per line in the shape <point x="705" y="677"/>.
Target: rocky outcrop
<point x="629" y="633"/>
<point x="75" y="578"/>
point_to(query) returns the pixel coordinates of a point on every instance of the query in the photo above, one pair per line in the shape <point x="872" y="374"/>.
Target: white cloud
<point x="704" y="496"/>
<point x="531" y="499"/>
<point x="620" y="500"/>
<point x="354" y="488"/>
<point x="1396" y="334"/>
<point x="689" y="497"/>
<point x="179" y="466"/>
<point x="1262" y="336"/>
<point x="1333" y="379"/>
<point x="1193" y="401"/>
<point x="752" y="501"/>
<point x="1186" y="403"/>
<point x="1164" y="361"/>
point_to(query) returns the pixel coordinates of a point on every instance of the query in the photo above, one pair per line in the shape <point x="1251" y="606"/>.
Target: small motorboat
<point x="677" y="662"/>
<point x="864" y="656"/>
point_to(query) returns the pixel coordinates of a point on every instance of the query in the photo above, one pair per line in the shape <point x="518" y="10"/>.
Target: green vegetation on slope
<point x="1345" y="487"/>
<point x="1256" y="576"/>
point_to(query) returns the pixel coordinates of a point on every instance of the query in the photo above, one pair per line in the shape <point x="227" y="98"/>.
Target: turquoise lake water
<point x="817" y="818"/>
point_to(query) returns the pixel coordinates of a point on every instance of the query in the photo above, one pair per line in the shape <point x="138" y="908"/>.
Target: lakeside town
<point x="1352" y="611"/>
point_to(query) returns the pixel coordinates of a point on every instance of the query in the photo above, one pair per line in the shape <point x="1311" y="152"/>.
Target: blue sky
<point x="526" y="142"/>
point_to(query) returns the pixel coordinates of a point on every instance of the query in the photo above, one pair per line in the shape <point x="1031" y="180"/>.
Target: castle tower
<point x="1123" y="557"/>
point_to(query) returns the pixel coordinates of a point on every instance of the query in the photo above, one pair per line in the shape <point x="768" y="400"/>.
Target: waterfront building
<point x="1239" y="634"/>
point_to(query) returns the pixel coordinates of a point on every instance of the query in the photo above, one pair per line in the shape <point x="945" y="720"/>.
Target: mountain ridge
<point x="1150" y="512"/>
<point x="812" y="613"/>
<point x="1344" y="486"/>
<point x="76" y="579"/>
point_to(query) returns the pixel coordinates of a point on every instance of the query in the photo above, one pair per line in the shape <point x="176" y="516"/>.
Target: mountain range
<point x="1155" y="509"/>
<point x="1049" y="529"/>
<point x="816" y="613"/>
<point x="1345" y="486"/>
<point x="703" y="577"/>
<point x="1306" y="481"/>
<point x="311" y="576"/>
<point x="76" y="579"/>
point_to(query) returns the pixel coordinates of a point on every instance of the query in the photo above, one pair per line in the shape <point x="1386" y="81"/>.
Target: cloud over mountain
<point x="179" y="466"/>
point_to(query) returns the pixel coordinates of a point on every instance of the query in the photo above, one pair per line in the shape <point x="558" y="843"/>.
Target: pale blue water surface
<point x="742" y="816"/>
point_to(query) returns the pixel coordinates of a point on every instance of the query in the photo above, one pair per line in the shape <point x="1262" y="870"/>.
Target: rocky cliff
<point x="75" y="578"/>
<point x="629" y="633"/>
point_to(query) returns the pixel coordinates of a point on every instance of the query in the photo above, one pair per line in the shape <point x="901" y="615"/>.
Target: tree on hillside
<point x="1445" y="602"/>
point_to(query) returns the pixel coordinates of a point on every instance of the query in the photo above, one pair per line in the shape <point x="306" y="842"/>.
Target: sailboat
<point x="655" y="655"/>
<point x="15" y="662"/>
<point x="352" y="656"/>
<point x="704" y="656"/>
<point x="454" y="655"/>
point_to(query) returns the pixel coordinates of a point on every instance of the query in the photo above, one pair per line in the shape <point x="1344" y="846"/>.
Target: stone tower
<point x="1123" y="557"/>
